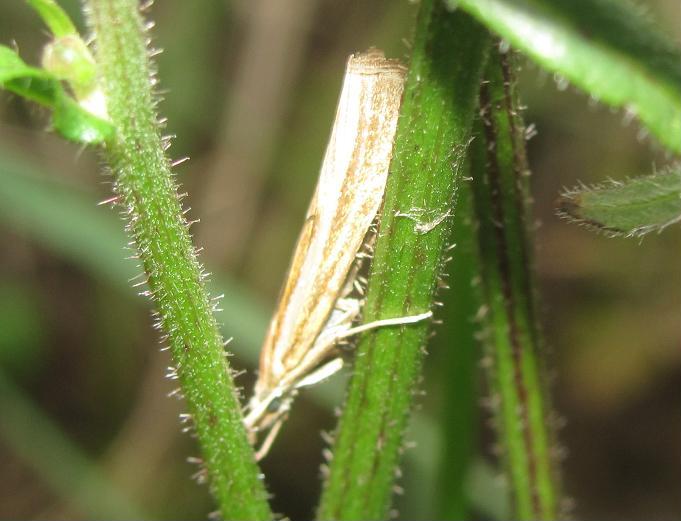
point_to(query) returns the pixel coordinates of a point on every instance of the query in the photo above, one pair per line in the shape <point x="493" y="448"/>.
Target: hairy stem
<point x="148" y="194"/>
<point x="499" y="172"/>
<point x="440" y="97"/>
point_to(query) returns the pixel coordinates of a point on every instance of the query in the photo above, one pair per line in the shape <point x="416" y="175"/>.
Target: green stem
<point x="437" y="110"/>
<point x="501" y="204"/>
<point x="457" y="370"/>
<point x="148" y="192"/>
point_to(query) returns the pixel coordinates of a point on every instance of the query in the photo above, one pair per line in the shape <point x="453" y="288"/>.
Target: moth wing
<point x="347" y="198"/>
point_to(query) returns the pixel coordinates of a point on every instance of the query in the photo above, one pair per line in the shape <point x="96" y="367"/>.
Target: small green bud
<point x="68" y="58"/>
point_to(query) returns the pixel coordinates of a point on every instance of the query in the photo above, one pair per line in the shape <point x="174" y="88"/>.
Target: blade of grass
<point x="456" y="351"/>
<point x="65" y="219"/>
<point x="68" y="472"/>
<point x="500" y="197"/>
<point x="609" y="48"/>
<point x="148" y="193"/>
<point x="437" y="110"/>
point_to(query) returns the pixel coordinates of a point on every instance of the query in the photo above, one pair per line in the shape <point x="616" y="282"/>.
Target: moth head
<point x="264" y="416"/>
<point x="275" y="405"/>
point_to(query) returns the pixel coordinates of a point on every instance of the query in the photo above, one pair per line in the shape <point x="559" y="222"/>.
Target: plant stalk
<point x="513" y="341"/>
<point x="147" y="192"/>
<point x="441" y="92"/>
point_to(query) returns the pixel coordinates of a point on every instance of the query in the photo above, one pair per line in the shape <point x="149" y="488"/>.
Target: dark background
<point x="250" y="89"/>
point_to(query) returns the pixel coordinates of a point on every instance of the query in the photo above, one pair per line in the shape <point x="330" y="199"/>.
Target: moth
<point x="316" y="308"/>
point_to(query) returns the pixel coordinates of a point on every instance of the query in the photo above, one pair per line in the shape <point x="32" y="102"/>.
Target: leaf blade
<point x="29" y="82"/>
<point x="604" y="47"/>
<point x="70" y="119"/>
<point x="631" y="208"/>
<point x="54" y="17"/>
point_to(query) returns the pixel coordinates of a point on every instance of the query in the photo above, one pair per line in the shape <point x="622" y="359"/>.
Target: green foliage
<point x="602" y="46"/>
<point x="67" y="56"/>
<point x="612" y="50"/>
<point x="630" y="208"/>
<point x="31" y="83"/>
<point x="69" y="118"/>
<point x="69" y="59"/>
<point x="54" y="17"/>
<point x="64" y="221"/>
<point x="609" y="48"/>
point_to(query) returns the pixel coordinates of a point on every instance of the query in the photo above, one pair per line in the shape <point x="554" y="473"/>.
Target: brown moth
<point x="315" y="310"/>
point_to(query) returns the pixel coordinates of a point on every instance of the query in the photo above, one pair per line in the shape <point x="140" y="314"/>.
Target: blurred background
<point x="250" y="87"/>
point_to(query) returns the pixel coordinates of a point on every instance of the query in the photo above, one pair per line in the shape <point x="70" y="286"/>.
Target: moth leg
<point x="324" y="372"/>
<point x="256" y="411"/>
<point x="344" y="312"/>
<point x="266" y="444"/>
<point x="267" y="416"/>
<point x="260" y="411"/>
<point x="317" y="376"/>
<point x="349" y="284"/>
<point x="410" y="319"/>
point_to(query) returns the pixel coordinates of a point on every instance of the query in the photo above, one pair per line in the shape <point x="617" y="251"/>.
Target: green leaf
<point x="70" y="119"/>
<point x="609" y="48"/>
<point x="77" y="124"/>
<point x="67" y="56"/>
<point x="631" y="208"/>
<point x="54" y="17"/>
<point x="29" y="82"/>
